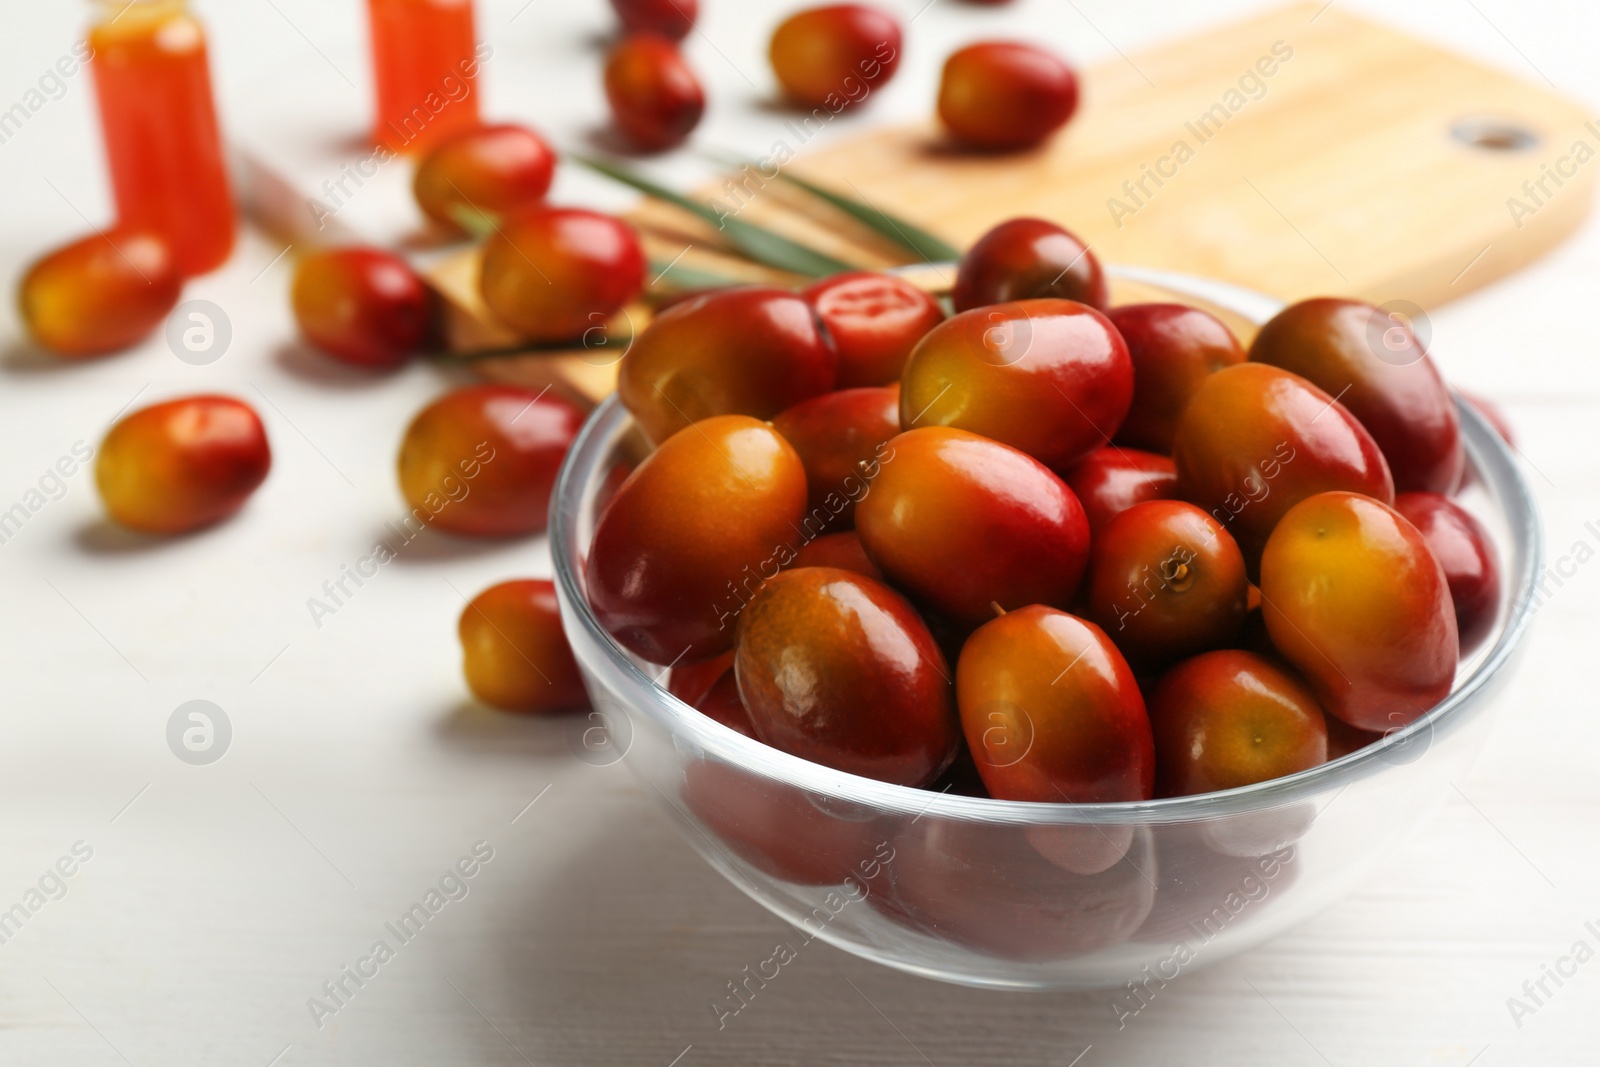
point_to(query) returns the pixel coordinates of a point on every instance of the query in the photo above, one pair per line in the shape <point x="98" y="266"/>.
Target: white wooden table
<point x="218" y="899"/>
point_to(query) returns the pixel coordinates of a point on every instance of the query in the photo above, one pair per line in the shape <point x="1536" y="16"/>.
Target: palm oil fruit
<point x="839" y="669"/>
<point x="1256" y="440"/>
<point x="723" y="703"/>
<point x="481" y="175"/>
<point x="552" y="274"/>
<point x="986" y="887"/>
<point x="1229" y="718"/>
<point x="963" y="523"/>
<point x="1380" y="372"/>
<point x="1193" y="879"/>
<point x="1344" y="739"/>
<point x="99" y="294"/>
<point x="782" y="830"/>
<point x="656" y="100"/>
<point x="362" y="306"/>
<point x="1466" y="552"/>
<point x="1110" y="480"/>
<point x="690" y="682"/>
<point x="1004" y="96"/>
<point x="481" y="461"/>
<point x="514" y="652"/>
<point x="832" y="57"/>
<point x="1174" y="349"/>
<point x="875" y="321"/>
<point x="1355" y="600"/>
<point x="691" y="536"/>
<point x="1050" y="377"/>
<point x="1027" y="259"/>
<point x="183" y="464"/>
<point x="1166" y="581"/>
<point x="842" y="551"/>
<point x="1051" y="711"/>
<point x="695" y="359"/>
<point x="842" y="438"/>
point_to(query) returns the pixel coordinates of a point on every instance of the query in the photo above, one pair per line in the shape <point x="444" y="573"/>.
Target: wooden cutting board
<point x="1306" y="151"/>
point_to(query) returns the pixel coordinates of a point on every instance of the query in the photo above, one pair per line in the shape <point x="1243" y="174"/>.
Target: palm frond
<point x="756" y="242"/>
<point x="908" y="235"/>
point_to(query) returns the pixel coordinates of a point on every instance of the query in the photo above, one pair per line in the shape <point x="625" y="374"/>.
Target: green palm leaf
<point x="907" y="235"/>
<point x="894" y="228"/>
<point x="677" y="276"/>
<point x="755" y="242"/>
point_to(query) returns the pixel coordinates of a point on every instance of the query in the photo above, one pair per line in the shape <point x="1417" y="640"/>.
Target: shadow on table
<point x="301" y="362"/>
<point x="623" y="944"/>
<point x="482" y="731"/>
<point x="413" y="543"/>
<point x="21" y="358"/>
<point x="102" y="537"/>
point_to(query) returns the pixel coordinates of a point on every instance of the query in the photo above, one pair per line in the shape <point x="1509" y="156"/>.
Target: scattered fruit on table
<point x="182" y="464"/>
<point x="833" y="57"/>
<point x="1005" y="95"/>
<point x="362" y="306"/>
<point x="656" y="100"/>
<point x="99" y="294"/>
<point x="1042" y="549"/>
<point x="481" y="461"/>
<point x="554" y="274"/>
<point x="999" y="540"/>
<point x="1002" y="540"/>
<point x="481" y="175"/>
<point x="514" y="652"/>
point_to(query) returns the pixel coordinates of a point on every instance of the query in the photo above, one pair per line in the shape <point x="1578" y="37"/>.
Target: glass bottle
<point x="153" y="82"/>
<point x="424" y="65"/>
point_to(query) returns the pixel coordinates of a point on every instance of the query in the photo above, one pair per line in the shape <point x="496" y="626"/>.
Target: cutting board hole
<point x="1494" y="135"/>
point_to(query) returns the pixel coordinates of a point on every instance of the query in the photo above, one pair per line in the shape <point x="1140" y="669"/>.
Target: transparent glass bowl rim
<point x="1487" y="453"/>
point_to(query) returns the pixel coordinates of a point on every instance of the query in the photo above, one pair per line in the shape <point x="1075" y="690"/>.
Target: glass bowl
<point x="1028" y="895"/>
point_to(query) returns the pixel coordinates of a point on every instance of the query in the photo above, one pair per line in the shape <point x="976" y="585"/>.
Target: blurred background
<point x="209" y="902"/>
